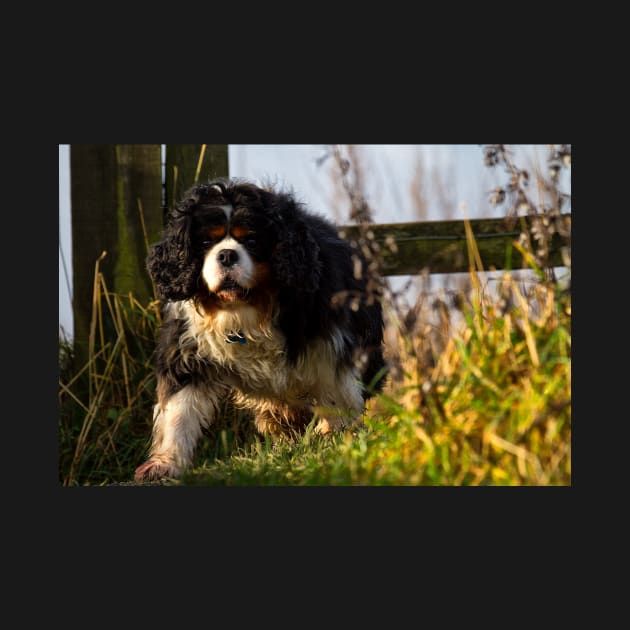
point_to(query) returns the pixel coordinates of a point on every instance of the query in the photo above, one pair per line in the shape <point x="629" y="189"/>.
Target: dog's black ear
<point x="296" y="261"/>
<point x="172" y="262"/>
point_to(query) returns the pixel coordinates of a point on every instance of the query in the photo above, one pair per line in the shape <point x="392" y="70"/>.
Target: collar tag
<point x="236" y="338"/>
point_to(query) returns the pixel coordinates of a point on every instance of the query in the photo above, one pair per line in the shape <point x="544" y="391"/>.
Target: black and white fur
<point x="250" y="285"/>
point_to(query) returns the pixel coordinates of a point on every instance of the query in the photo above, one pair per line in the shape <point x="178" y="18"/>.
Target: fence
<point x="441" y="246"/>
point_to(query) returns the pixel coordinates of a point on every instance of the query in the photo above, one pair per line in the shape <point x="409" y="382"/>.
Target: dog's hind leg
<point x="280" y="420"/>
<point x="340" y="405"/>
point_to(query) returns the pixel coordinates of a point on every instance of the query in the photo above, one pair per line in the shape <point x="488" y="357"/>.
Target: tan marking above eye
<point x="240" y="232"/>
<point x="217" y="232"/>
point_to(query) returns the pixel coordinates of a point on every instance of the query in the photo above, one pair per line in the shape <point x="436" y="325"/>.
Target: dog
<point x="250" y="283"/>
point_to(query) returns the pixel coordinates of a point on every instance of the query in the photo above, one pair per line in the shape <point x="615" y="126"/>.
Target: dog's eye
<point x="250" y="242"/>
<point x="206" y="243"/>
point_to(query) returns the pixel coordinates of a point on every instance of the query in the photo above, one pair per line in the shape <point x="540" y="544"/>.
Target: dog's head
<point x="232" y="243"/>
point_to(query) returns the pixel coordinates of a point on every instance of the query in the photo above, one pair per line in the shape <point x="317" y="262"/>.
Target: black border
<point x="333" y="520"/>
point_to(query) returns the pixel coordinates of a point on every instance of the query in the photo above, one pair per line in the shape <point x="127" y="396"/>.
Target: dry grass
<point x="104" y="403"/>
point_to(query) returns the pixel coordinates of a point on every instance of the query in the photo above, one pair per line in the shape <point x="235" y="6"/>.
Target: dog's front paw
<point x="155" y="469"/>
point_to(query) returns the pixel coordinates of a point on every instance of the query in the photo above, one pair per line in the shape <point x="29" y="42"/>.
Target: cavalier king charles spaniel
<point x="249" y="283"/>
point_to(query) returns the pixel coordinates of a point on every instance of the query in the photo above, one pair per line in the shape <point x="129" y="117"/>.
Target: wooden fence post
<point x="110" y="186"/>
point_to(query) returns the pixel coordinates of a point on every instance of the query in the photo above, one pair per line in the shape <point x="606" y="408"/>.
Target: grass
<point x="493" y="408"/>
<point x="104" y="401"/>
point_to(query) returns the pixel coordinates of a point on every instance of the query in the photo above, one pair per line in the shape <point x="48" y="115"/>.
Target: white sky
<point x="390" y="167"/>
<point x="388" y="175"/>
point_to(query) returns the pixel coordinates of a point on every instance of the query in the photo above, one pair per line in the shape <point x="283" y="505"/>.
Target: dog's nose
<point x="227" y="257"/>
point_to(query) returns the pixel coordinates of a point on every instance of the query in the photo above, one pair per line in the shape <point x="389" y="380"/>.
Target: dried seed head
<point x="490" y="155"/>
<point x="554" y="170"/>
<point x="524" y="177"/>
<point x="497" y="196"/>
<point x="513" y="183"/>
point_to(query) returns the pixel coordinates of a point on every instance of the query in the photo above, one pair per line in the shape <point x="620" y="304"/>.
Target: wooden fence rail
<point x="440" y="246"/>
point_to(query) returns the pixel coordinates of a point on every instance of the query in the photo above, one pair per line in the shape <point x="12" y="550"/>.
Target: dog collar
<point x="238" y="337"/>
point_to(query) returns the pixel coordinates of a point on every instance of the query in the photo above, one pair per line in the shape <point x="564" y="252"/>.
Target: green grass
<point x="494" y="408"/>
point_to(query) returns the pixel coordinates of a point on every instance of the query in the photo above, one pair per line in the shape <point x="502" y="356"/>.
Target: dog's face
<point x="230" y="245"/>
<point x="235" y="243"/>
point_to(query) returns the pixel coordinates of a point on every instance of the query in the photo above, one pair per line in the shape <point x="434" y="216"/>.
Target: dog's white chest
<point x="261" y="369"/>
<point x="255" y="361"/>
